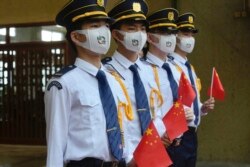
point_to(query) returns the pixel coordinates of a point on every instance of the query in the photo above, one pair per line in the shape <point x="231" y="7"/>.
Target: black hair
<point x="118" y="24"/>
<point x="145" y="50"/>
<point x="188" y="29"/>
<point x="162" y="30"/>
<point x="75" y="26"/>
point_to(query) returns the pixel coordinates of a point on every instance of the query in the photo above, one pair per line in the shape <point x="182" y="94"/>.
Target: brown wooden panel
<point x="24" y="72"/>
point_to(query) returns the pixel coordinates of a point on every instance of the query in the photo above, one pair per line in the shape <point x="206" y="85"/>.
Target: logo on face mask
<point x="101" y="40"/>
<point x="188" y="45"/>
<point x="168" y="44"/>
<point x="135" y="42"/>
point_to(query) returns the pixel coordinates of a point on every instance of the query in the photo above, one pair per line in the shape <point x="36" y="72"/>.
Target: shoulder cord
<point x="128" y="107"/>
<point x="198" y="81"/>
<point x="155" y="93"/>
<point x="121" y="106"/>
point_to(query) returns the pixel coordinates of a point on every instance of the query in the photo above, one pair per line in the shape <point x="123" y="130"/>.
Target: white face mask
<point x="97" y="40"/>
<point x="134" y="41"/>
<point x="186" y="44"/>
<point x="166" y="43"/>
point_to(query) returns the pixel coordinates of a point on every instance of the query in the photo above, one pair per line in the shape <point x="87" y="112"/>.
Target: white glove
<point x="189" y="114"/>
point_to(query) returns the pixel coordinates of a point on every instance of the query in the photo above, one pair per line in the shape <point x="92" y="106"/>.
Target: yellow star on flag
<point x="177" y="105"/>
<point x="149" y="131"/>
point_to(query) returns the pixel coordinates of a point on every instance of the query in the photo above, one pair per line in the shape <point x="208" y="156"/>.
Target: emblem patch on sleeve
<point x="56" y="84"/>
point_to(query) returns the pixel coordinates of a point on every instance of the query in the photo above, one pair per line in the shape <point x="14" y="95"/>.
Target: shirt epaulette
<point x="144" y="58"/>
<point x="64" y="71"/>
<point x="106" y="60"/>
<point x="170" y="58"/>
<point x="111" y="69"/>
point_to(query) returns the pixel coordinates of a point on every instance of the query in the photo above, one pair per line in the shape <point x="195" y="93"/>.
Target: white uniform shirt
<point x="165" y="88"/>
<point x="121" y="65"/>
<point x="180" y="61"/>
<point x="76" y="124"/>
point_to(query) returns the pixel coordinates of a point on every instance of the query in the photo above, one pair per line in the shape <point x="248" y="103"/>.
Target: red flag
<point x="175" y="121"/>
<point x="151" y="152"/>
<point x="216" y="89"/>
<point x="186" y="92"/>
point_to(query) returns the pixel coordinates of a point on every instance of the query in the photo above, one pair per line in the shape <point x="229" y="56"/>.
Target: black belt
<point x="177" y="141"/>
<point x="93" y="162"/>
<point x="192" y="129"/>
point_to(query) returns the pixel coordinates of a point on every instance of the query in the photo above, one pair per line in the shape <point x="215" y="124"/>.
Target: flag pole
<point x="212" y="82"/>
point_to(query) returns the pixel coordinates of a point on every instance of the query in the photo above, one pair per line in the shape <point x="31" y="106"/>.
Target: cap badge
<point x="137" y="7"/>
<point x="190" y="19"/>
<point x="171" y="16"/>
<point x="100" y="2"/>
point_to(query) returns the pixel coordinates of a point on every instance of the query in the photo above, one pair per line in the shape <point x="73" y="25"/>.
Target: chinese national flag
<point x="186" y="92"/>
<point x="175" y="121"/>
<point x="216" y="89"/>
<point x="151" y="152"/>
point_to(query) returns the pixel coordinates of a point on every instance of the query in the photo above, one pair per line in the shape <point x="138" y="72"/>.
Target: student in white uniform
<point x="81" y="100"/>
<point x="129" y="32"/>
<point x="161" y="41"/>
<point x="185" y="154"/>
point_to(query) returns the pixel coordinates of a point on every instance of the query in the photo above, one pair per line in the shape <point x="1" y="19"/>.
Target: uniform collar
<point x="179" y="58"/>
<point x="122" y="60"/>
<point x="86" y="66"/>
<point x="154" y="60"/>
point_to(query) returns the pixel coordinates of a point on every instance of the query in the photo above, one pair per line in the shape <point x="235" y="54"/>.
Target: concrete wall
<point x="29" y="11"/>
<point x="223" y="42"/>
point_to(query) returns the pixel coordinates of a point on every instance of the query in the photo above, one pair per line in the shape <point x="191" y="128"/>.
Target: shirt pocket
<point x="164" y="84"/>
<point x="131" y="92"/>
<point x="155" y="97"/>
<point x="91" y="110"/>
<point x="151" y="86"/>
<point x="198" y="85"/>
<point x="166" y="91"/>
<point x="121" y="97"/>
